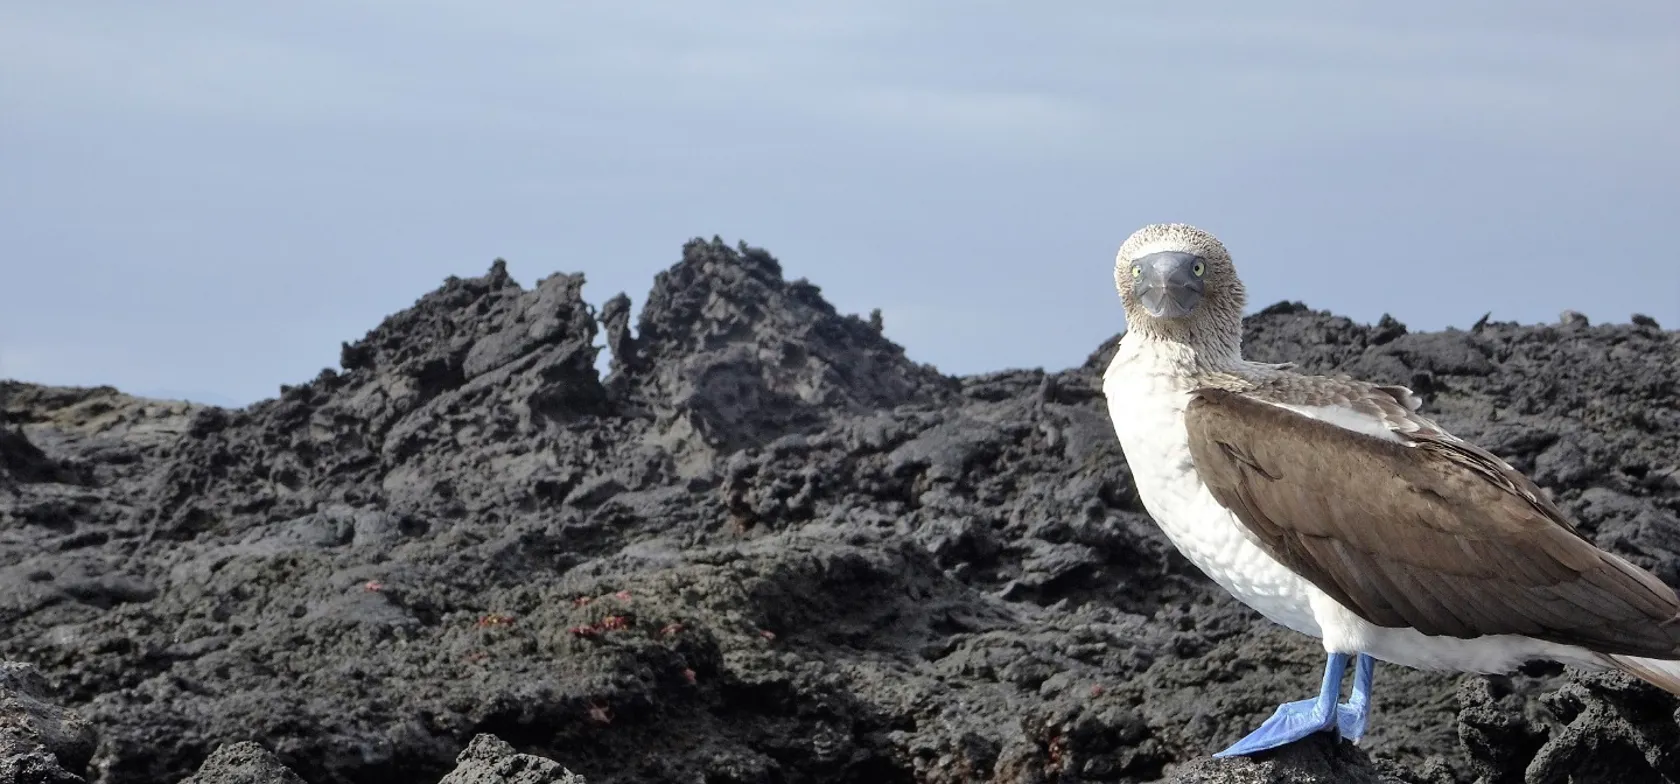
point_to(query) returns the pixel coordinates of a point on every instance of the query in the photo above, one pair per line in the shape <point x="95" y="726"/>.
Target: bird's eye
<point x="1198" y="269"/>
<point x="1137" y="272"/>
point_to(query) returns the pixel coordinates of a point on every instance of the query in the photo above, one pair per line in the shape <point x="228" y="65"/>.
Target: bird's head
<point x="1177" y="280"/>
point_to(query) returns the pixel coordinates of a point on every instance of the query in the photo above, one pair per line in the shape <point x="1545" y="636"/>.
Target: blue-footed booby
<point x="1334" y="508"/>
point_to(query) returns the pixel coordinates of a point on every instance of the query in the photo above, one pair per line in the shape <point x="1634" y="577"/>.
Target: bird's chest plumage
<point x="1146" y="401"/>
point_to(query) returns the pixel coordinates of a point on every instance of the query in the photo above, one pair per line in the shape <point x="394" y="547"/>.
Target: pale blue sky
<point x="204" y="198"/>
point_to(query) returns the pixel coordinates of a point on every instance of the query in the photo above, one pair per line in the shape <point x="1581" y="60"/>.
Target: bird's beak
<point x="1167" y="284"/>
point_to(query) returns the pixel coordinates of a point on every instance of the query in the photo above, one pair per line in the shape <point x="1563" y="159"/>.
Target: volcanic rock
<point x="490" y="760"/>
<point x="243" y="763"/>
<point x="39" y="741"/>
<point x="767" y="547"/>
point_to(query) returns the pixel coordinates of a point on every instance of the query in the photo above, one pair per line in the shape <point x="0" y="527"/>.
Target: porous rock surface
<point x="39" y="741"/>
<point x="243" y="763"/>
<point x="768" y="547"/>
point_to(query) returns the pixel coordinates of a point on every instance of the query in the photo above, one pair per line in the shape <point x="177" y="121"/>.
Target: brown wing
<point x="1439" y="536"/>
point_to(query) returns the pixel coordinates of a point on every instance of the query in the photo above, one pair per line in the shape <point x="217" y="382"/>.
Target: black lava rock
<point x="768" y="547"/>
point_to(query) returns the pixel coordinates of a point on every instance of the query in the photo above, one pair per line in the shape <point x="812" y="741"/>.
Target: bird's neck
<point x="1189" y="348"/>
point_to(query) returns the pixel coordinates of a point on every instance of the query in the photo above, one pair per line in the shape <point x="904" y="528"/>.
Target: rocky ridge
<point x="766" y="547"/>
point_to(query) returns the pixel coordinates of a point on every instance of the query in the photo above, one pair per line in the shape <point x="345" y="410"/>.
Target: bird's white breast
<point x="1146" y="401"/>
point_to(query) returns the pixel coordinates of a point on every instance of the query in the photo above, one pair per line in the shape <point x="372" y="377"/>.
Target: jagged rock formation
<point x="40" y="742"/>
<point x="729" y="355"/>
<point x="490" y="760"/>
<point x="243" y="763"/>
<point x="767" y="547"/>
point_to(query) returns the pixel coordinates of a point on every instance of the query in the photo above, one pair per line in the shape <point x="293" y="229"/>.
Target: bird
<point x="1333" y="507"/>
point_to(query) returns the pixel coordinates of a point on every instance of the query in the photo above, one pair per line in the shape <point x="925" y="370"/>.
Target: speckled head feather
<point x="1216" y="322"/>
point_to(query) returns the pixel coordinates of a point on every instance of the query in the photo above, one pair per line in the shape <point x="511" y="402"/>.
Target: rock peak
<point x="739" y="355"/>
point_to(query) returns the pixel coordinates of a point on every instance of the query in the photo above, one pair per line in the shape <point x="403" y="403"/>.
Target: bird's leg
<point x="1296" y="720"/>
<point x="1350" y="716"/>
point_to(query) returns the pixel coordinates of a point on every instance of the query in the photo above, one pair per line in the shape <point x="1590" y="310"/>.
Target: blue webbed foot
<point x="1350" y="715"/>
<point x="1350" y="722"/>
<point x="1293" y="721"/>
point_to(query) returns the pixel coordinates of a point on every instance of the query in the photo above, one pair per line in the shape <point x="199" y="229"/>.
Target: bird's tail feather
<point x="1662" y="673"/>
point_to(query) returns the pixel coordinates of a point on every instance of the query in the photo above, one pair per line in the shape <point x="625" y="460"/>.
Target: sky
<point x="202" y="199"/>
